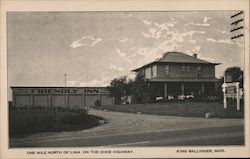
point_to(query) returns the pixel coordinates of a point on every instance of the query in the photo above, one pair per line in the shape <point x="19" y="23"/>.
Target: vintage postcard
<point x="118" y="79"/>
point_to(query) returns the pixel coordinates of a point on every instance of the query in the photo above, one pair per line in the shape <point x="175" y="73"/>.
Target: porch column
<point x="202" y="88"/>
<point x="84" y="101"/>
<point x="31" y="101"/>
<point x="99" y="98"/>
<point x="49" y="101"/>
<point x="82" y="105"/>
<point x="66" y="101"/>
<point x="165" y="91"/>
<point x="182" y="88"/>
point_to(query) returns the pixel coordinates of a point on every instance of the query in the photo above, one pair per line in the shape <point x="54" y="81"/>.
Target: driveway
<point x="126" y="123"/>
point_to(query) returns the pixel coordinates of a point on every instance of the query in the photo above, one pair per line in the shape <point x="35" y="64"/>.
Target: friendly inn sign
<point x="66" y="97"/>
<point x="61" y="90"/>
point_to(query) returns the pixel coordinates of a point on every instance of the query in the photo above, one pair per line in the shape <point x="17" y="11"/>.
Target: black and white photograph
<point x="126" y="79"/>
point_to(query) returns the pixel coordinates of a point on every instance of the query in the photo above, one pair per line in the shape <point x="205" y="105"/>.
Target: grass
<point x="186" y="109"/>
<point x="22" y="123"/>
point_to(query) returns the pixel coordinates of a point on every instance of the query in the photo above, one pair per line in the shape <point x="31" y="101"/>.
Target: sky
<point x="93" y="48"/>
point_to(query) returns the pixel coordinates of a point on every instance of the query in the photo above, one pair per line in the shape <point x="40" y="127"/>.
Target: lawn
<point x="25" y="122"/>
<point x="187" y="109"/>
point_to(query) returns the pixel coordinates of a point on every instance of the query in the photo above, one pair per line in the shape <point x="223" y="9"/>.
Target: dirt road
<point x="127" y="123"/>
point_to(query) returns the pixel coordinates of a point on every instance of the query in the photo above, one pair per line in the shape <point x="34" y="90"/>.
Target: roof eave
<point x="136" y="70"/>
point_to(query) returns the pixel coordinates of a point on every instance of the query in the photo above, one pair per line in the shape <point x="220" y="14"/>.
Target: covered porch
<point x="175" y="89"/>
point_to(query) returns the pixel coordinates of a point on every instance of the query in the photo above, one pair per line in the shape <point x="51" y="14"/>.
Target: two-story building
<point x="177" y="73"/>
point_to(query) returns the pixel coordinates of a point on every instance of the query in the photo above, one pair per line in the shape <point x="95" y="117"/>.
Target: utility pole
<point x="65" y="80"/>
<point x="65" y="96"/>
<point x="224" y="92"/>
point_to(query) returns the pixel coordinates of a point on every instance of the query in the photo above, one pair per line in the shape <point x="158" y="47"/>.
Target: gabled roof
<point x="177" y="57"/>
<point x="180" y="58"/>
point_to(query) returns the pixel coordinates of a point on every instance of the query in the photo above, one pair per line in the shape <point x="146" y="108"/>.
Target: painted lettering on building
<point x="60" y="91"/>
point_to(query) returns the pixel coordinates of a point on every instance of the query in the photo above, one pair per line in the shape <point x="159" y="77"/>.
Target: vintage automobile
<point x="159" y="99"/>
<point x="190" y="96"/>
<point x="181" y="97"/>
<point x="170" y="97"/>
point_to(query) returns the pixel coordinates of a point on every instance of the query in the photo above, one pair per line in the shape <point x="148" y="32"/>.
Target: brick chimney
<point x="195" y="56"/>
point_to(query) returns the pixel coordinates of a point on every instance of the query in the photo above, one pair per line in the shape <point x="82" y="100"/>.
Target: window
<point x="167" y="70"/>
<point x="148" y="72"/>
<point x="183" y="68"/>
<point x="141" y="73"/>
<point x="152" y="72"/>
<point x="199" y="70"/>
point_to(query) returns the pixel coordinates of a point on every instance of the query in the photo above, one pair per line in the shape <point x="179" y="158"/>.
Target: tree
<point x="237" y="76"/>
<point x="140" y="90"/>
<point x="137" y="88"/>
<point x="236" y="73"/>
<point x="218" y="88"/>
<point x="118" y="88"/>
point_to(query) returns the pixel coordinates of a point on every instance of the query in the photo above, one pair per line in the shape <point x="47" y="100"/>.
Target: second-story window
<point x="142" y="73"/>
<point x="154" y="71"/>
<point x="199" y="70"/>
<point x="183" y="68"/>
<point x="167" y="70"/>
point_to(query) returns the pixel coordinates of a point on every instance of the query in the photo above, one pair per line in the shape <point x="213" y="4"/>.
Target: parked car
<point x="190" y="96"/>
<point x="159" y="99"/>
<point x="170" y="97"/>
<point x="181" y="97"/>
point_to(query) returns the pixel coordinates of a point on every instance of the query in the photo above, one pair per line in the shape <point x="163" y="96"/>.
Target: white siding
<point x="148" y="73"/>
<point x="154" y="71"/>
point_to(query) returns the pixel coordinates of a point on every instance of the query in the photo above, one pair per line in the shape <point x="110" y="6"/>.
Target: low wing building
<point x="60" y="97"/>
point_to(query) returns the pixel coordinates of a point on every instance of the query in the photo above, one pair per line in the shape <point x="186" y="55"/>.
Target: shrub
<point x="97" y="103"/>
<point x="26" y="122"/>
